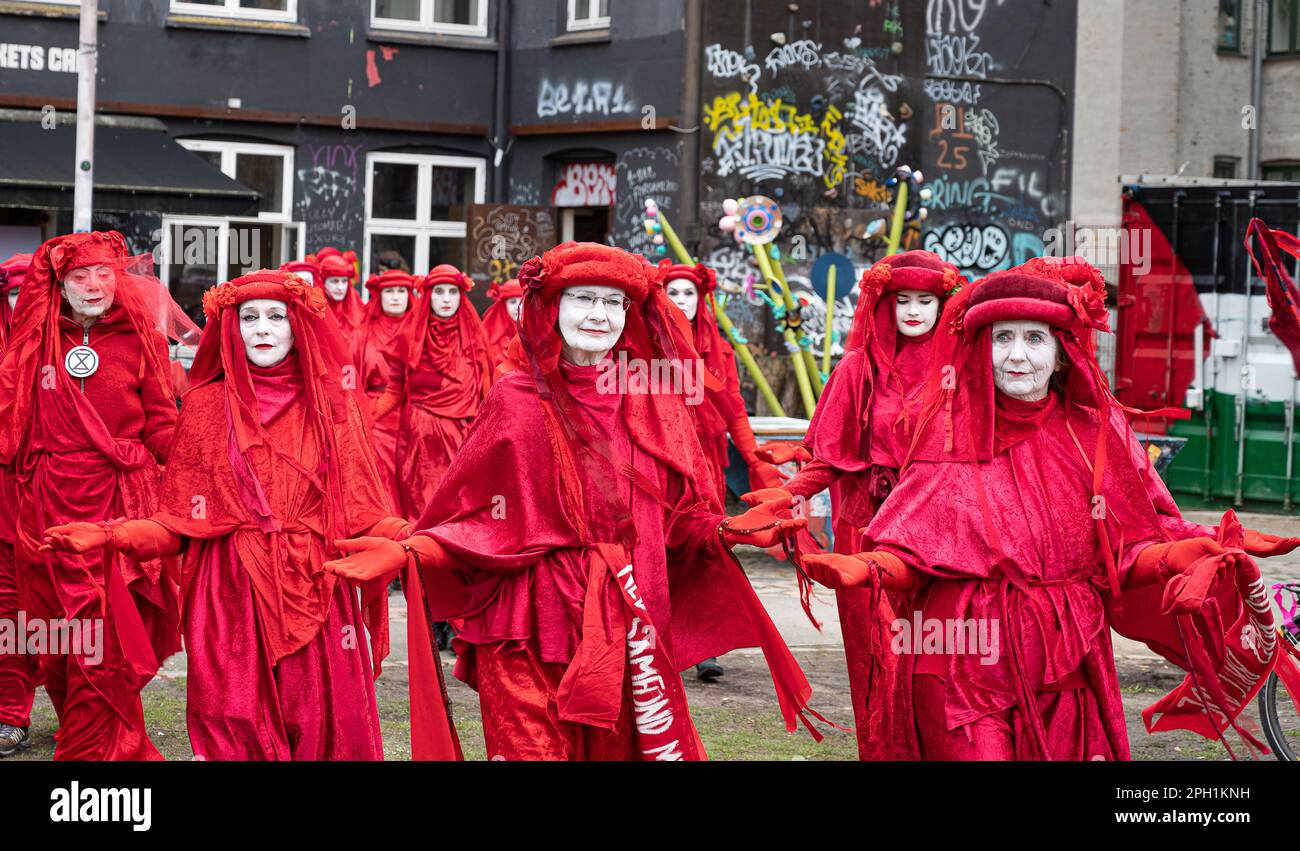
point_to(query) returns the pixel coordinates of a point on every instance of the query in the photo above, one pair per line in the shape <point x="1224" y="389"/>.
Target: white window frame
<point x="231" y="150"/>
<point x="429" y="25"/>
<point x="223" y="226"/>
<point x="64" y="2"/>
<point x="576" y="24"/>
<point x="421" y="226"/>
<point x="232" y="9"/>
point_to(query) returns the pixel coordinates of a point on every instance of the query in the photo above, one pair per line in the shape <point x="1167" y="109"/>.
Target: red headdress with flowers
<point x="308" y="270"/>
<point x="319" y="360"/>
<point x="34" y="337"/>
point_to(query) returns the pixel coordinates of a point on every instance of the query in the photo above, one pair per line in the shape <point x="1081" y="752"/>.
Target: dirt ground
<point x="737" y="715"/>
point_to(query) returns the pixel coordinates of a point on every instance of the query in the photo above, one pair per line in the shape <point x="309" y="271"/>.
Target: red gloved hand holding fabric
<point x="76" y="538"/>
<point x="761" y="527"/>
<point x="372" y="558"/>
<point x="1264" y="545"/>
<point x="862" y="570"/>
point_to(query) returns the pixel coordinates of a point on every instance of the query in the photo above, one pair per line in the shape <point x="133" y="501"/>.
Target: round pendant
<point x="81" y="362"/>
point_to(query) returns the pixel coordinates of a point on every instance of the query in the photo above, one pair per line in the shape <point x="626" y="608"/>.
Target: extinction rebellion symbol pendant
<point x="81" y="362"/>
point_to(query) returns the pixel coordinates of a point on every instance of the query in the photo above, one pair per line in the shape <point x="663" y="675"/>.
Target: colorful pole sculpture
<point x="659" y="228"/>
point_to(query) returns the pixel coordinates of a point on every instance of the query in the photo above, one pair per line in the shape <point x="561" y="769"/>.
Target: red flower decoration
<point x="533" y="274"/>
<point x="875" y="279"/>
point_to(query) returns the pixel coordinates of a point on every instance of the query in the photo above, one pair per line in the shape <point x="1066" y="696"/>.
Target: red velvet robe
<point x="277" y="662"/>
<point x="1052" y="691"/>
<point x="440" y="400"/>
<point x="94" y="456"/>
<point x="17" y="670"/>
<point x="369" y="347"/>
<point x="523" y="593"/>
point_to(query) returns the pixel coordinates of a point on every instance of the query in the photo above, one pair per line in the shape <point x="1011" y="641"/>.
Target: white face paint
<point x="394" y="300"/>
<point x="336" y="287"/>
<point x="915" y="312"/>
<point x="1024" y="359"/>
<point x="591" y="321"/>
<point x="685" y="295"/>
<point x="89" y="292"/>
<point x="512" y="307"/>
<point x="264" y="325"/>
<point x="12" y="295"/>
<point x="444" y="300"/>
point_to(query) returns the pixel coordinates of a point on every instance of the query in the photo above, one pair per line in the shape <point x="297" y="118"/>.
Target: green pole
<point x="791" y="342"/>
<point x="805" y="353"/>
<point x="900" y="209"/>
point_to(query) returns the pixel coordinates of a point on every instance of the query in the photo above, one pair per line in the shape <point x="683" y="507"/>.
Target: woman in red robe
<point x="439" y="377"/>
<point x="271" y="466"/>
<point x="859" y="435"/>
<point x="1019" y="532"/>
<point x="501" y="321"/>
<point x="89" y="418"/>
<point x="338" y="278"/>
<point x="17" y="670"/>
<point x="589" y="568"/>
<point x="392" y="295"/>
<point x="721" y="411"/>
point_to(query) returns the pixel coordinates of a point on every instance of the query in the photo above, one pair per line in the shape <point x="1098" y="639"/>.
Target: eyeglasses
<point x="613" y="304"/>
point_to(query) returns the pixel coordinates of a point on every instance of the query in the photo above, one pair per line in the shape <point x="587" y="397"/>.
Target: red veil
<point x="497" y="323"/>
<point x="12" y="273"/>
<point x="34" y="340"/>
<point x="420" y="327"/>
<point x="332" y="263"/>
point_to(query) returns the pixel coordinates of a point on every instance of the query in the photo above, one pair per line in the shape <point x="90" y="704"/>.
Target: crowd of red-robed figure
<point x="575" y="539"/>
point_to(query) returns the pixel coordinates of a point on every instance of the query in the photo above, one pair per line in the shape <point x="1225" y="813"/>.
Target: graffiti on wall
<point x="650" y="171"/>
<point x="502" y="237"/>
<point x="597" y="98"/>
<point x="989" y="146"/>
<point x="330" y="206"/>
<point x="584" y="184"/>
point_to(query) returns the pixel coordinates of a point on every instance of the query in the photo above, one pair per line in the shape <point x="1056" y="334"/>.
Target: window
<point x="588" y="15"/>
<point x="1287" y="172"/>
<point x="453" y="17"/>
<point x="416" y="209"/>
<point x="1282" y="28"/>
<point x="258" y="10"/>
<point x="198" y="253"/>
<point x="1225" y="168"/>
<point x="1230" y="25"/>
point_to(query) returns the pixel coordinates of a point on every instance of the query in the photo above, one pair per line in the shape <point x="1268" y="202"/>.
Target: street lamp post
<point x="83" y="185"/>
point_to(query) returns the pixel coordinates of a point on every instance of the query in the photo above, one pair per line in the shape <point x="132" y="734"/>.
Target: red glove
<point x="1264" y="545"/>
<point x="761" y="527"/>
<point x="76" y="538"/>
<point x="783" y="453"/>
<point x="864" y="569"/>
<point x="392" y="528"/>
<point x="1175" y="556"/>
<point x="764" y="475"/>
<point x="771" y="499"/>
<point x="367" y="558"/>
<point x="386" y="404"/>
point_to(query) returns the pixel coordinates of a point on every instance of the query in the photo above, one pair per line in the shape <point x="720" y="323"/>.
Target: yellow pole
<point x="900" y="209"/>
<point x="830" y="318"/>
<point x="725" y="324"/>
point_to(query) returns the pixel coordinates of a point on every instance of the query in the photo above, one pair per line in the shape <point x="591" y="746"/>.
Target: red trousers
<point x="316" y="704"/>
<point x="520" y="721"/>
<point x="17" y="670"/>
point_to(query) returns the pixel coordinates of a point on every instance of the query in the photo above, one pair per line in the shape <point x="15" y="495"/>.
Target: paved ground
<point x="737" y="715"/>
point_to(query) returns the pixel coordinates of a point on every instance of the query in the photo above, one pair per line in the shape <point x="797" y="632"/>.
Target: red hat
<point x="576" y="264"/>
<point x="308" y="269"/>
<point x="447" y="274"/>
<point x="281" y="286"/>
<point x="390" y="278"/>
<point x="704" y="278"/>
<point x="1039" y="291"/>
<point x="336" y="264"/>
<point x="78" y="250"/>
<point x="920" y="271"/>
<point x="510" y="289"/>
<point x="13" y="270"/>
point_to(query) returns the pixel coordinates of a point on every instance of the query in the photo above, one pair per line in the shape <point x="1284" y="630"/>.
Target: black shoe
<point x="13" y="739"/>
<point x="445" y="634"/>
<point x="708" y="670"/>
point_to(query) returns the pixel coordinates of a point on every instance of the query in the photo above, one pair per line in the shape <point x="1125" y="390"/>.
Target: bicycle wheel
<point x="1277" y="715"/>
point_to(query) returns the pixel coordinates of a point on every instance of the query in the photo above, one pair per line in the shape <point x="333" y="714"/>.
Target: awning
<point x="137" y="168"/>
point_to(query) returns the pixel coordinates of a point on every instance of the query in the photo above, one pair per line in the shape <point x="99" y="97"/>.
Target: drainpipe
<point x="83" y="181"/>
<point x="692" y="48"/>
<point x="1257" y="86"/>
<point x="501" y="140"/>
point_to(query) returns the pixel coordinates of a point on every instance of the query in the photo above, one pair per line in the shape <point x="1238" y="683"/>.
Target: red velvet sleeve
<point x="815" y="477"/>
<point x="159" y="408"/>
